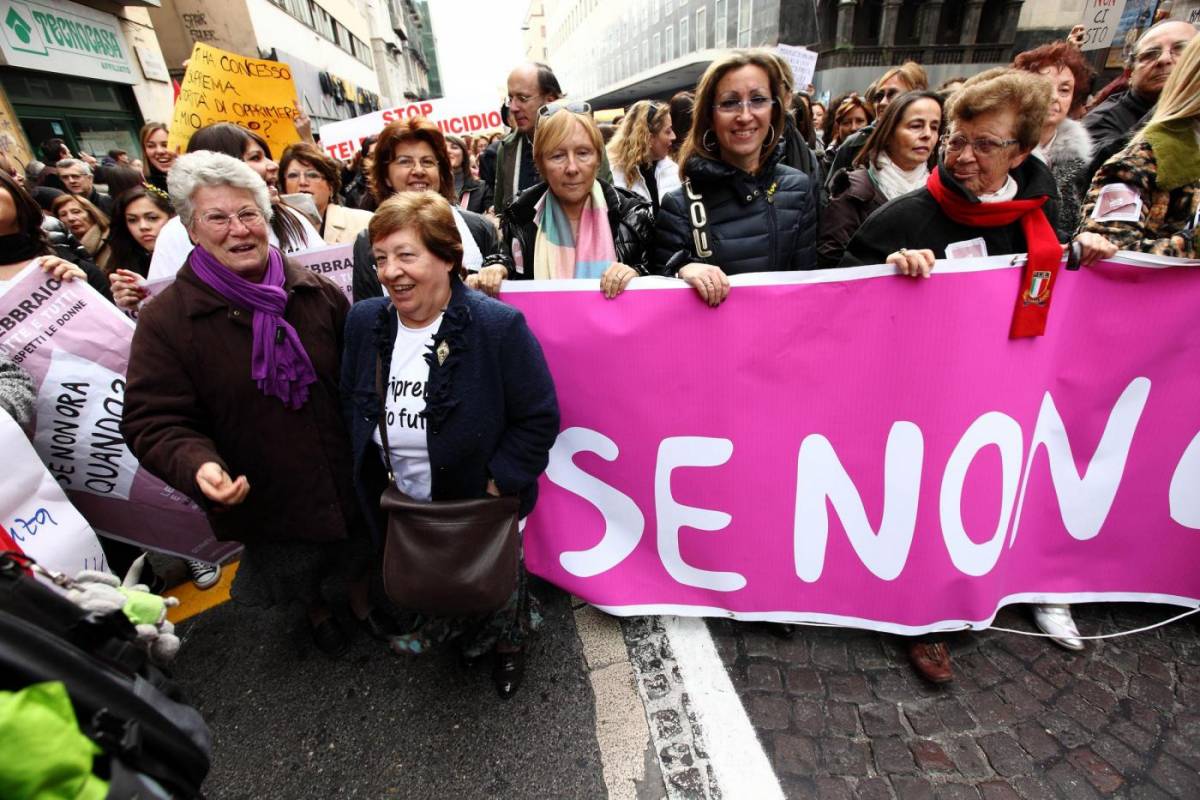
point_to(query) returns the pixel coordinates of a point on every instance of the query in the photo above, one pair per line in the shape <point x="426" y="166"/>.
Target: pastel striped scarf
<point x="557" y="253"/>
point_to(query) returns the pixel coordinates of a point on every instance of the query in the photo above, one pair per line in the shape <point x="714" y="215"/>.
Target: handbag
<point x="452" y="558"/>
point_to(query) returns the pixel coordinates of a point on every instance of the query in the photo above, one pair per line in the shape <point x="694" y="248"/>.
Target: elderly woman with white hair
<point x="232" y="396"/>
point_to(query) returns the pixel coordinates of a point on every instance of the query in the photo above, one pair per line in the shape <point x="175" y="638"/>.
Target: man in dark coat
<point x="1114" y="122"/>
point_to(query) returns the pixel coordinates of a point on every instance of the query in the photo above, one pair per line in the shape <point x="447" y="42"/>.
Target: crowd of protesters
<point x="745" y="174"/>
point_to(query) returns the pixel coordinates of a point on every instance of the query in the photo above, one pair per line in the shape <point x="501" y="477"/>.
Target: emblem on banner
<point x="1038" y="292"/>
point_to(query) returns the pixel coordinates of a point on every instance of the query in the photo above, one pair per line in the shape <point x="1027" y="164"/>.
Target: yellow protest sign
<point x="220" y="86"/>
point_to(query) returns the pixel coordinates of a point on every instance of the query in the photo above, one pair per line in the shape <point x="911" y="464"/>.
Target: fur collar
<point x="1071" y="142"/>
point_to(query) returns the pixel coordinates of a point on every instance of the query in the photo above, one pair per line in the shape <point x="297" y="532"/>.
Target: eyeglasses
<point x="249" y="217"/>
<point x="553" y="108"/>
<point x="520" y="98"/>
<point x="1152" y="54"/>
<point x="982" y="146"/>
<point x="308" y="175"/>
<point x="407" y="162"/>
<point x="753" y="104"/>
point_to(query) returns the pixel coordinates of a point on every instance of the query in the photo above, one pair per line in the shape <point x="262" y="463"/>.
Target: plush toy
<point x="102" y="592"/>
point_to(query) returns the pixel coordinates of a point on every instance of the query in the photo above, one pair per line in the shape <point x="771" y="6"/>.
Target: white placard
<point x="803" y="63"/>
<point x="1100" y="18"/>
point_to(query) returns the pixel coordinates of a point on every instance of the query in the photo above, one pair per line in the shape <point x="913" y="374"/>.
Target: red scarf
<point x="1045" y="253"/>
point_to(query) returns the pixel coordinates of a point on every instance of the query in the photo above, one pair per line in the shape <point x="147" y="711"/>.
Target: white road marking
<point x="734" y="752"/>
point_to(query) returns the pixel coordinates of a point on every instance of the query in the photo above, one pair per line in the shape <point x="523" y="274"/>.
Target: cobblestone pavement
<point x="842" y="715"/>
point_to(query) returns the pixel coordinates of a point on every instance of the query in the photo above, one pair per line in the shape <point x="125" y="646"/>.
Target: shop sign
<point x="65" y="38"/>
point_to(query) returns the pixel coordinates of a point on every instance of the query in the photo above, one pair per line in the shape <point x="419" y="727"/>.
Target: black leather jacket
<point x="630" y="217"/>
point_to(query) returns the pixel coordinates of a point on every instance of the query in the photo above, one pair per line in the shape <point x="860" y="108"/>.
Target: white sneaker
<point x="204" y="576"/>
<point x="1056" y="620"/>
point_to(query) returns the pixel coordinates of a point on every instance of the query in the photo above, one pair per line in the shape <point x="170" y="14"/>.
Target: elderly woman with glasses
<point x="232" y="395"/>
<point x="740" y="209"/>
<point x="986" y="196"/>
<point x="573" y="224"/>
<point x="411" y="156"/>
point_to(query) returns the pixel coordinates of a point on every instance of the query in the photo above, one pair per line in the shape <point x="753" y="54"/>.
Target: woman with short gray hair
<point x="232" y="395"/>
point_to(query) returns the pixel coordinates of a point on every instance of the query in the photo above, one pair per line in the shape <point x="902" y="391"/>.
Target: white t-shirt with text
<point x="404" y="393"/>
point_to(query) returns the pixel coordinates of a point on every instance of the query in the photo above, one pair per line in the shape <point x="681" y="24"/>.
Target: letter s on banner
<point x="623" y="520"/>
<point x="820" y="475"/>
<point x="689" y="451"/>
<point x="993" y="428"/>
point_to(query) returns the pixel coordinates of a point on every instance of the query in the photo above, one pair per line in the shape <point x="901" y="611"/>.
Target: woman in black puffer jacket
<point x="573" y="225"/>
<point x="760" y="213"/>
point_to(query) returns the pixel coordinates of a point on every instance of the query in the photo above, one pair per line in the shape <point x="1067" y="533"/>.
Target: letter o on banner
<point x="993" y="428"/>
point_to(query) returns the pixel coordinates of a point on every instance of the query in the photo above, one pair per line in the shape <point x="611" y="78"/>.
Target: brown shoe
<point x="931" y="660"/>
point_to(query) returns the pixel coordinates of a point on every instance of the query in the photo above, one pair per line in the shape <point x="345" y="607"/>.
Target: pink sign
<point x="858" y="448"/>
<point x="75" y="344"/>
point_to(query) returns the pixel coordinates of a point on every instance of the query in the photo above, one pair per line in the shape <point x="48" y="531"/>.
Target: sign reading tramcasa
<point x="64" y="38"/>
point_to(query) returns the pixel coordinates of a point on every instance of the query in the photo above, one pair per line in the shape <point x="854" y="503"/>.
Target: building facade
<point x="87" y="72"/>
<point x="429" y="47"/>
<point x="533" y="31"/>
<point x="617" y="51"/>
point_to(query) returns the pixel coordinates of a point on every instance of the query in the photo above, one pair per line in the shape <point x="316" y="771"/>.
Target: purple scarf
<point x="278" y="362"/>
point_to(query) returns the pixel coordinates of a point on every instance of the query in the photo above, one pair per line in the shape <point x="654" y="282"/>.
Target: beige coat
<point x="343" y="224"/>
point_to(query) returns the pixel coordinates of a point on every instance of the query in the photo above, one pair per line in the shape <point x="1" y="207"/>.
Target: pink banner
<point x="75" y="344"/>
<point x="858" y="448"/>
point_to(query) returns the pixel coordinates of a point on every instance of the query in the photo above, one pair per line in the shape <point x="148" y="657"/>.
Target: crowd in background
<point x="747" y="173"/>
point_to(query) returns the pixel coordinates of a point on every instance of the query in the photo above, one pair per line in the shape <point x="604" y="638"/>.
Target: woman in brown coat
<point x="232" y="395"/>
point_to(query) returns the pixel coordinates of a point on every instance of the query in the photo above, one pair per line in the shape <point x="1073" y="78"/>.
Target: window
<point x="667" y="8"/>
<point x="654" y="11"/>
<point x="657" y="49"/>
<point x="720" y="10"/>
<point x="646" y="53"/>
<point x="701" y="31"/>
<point x="669" y="43"/>
<point x="683" y="36"/>
<point x="743" y="34"/>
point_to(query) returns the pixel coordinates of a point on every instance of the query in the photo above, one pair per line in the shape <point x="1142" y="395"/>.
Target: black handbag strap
<point x="382" y="421"/>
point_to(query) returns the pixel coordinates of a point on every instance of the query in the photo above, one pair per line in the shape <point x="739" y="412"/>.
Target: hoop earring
<point x="767" y="141"/>
<point x="704" y="141"/>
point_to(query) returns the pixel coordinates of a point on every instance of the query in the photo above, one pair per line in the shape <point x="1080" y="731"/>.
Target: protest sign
<point x="1100" y="21"/>
<point x="335" y="262"/>
<point x="35" y="516"/>
<point x="863" y="449"/>
<point x="802" y="61"/>
<point x="457" y="115"/>
<point x="75" y="345"/>
<point x="220" y="86"/>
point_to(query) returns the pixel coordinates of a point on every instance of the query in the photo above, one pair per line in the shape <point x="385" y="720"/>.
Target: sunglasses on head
<point x="560" y="105"/>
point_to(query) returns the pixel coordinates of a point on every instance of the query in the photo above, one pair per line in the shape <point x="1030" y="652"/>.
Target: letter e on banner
<point x="689" y="451"/>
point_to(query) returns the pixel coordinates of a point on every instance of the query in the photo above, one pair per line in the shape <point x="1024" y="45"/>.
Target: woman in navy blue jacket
<point x="470" y="404"/>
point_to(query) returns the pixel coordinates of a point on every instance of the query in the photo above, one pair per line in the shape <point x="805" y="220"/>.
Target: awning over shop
<point x="682" y="74"/>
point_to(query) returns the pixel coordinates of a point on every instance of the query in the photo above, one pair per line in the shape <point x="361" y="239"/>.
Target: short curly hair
<point x="403" y="131"/>
<point x="1026" y="94"/>
<point x="1060" y="54"/>
<point x="427" y="213"/>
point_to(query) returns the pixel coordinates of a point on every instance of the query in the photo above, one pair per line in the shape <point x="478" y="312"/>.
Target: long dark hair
<point x="29" y="214"/>
<point x="887" y="123"/>
<point x="127" y="252"/>
<point x="232" y="140"/>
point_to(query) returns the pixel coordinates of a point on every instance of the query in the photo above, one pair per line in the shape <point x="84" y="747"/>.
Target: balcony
<point x="880" y="56"/>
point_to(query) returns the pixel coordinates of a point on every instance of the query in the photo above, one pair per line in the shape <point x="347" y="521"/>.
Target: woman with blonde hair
<point x="640" y="152"/>
<point x="86" y="223"/>
<point x="1146" y="198"/>
<point x="572" y="224"/>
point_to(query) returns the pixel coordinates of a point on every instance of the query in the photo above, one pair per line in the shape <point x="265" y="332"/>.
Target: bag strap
<point x="381" y="422"/>
<point x="698" y="217"/>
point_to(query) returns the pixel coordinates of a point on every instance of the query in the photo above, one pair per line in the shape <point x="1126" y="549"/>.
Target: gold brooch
<point x="443" y="352"/>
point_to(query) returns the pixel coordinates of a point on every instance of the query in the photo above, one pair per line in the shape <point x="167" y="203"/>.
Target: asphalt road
<point x="288" y="722"/>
